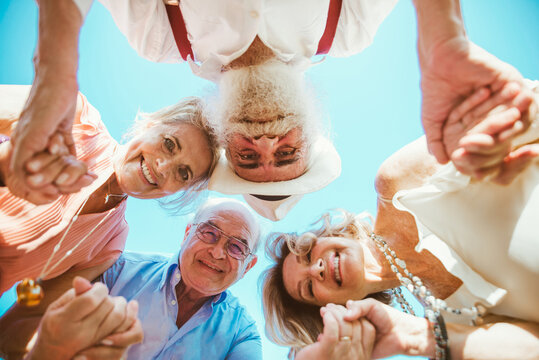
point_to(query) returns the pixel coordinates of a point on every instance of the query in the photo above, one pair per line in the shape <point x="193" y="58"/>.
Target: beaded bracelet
<point x="440" y="334"/>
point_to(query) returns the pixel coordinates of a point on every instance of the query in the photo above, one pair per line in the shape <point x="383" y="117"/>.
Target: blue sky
<point x="371" y="101"/>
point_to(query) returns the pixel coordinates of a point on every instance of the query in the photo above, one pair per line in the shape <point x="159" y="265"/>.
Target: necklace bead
<point x="29" y="292"/>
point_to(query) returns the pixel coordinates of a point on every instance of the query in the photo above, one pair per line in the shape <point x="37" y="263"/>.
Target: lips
<point x="210" y="266"/>
<point x="148" y="176"/>
<point x="337" y="268"/>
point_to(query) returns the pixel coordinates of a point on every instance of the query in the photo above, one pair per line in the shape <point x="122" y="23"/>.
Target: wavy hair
<point x="290" y="322"/>
<point x="191" y="111"/>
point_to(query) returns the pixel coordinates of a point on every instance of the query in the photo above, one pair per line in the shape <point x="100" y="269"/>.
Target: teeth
<point x="146" y="172"/>
<point x="336" y="262"/>
<point x="211" y="267"/>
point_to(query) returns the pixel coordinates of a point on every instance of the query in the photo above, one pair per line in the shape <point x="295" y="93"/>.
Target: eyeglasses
<point x="210" y="234"/>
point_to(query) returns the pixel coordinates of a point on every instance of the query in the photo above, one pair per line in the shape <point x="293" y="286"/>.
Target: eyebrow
<point x="177" y="142"/>
<point x="277" y="164"/>
<point x="235" y="237"/>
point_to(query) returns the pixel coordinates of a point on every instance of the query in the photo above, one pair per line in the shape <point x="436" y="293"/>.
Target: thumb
<point x="81" y="285"/>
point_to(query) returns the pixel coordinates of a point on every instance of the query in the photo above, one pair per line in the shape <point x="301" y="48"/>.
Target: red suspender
<point x="180" y="32"/>
<point x="184" y="46"/>
<point x="331" y="27"/>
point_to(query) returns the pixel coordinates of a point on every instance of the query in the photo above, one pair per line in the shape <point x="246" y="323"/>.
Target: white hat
<point x="323" y="167"/>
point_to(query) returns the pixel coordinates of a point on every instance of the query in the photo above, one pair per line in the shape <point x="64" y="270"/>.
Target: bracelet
<point x="440" y="334"/>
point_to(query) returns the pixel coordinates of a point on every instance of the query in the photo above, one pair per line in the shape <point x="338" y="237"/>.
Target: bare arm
<point x="19" y="324"/>
<point x="400" y="333"/>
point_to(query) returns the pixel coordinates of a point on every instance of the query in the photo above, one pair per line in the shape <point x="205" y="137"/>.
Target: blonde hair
<point x="190" y="111"/>
<point x="288" y="321"/>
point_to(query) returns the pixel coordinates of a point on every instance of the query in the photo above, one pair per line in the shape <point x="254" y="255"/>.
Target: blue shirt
<point x="220" y="329"/>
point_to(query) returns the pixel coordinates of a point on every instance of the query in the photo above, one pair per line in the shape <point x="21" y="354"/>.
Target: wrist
<point x="420" y="339"/>
<point x="438" y="22"/>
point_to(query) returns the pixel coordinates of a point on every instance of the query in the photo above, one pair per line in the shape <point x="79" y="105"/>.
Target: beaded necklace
<point x="415" y="286"/>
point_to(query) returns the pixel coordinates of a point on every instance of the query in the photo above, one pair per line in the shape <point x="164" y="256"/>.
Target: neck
<point x="256" y="54"/>
<point x="378" y="273"/>
<point x="191" y="301"/>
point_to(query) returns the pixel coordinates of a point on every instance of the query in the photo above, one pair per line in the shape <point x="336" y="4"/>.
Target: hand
<point x="115" y="346"/>
<point x="331" y="345"/>
<point x="49" y="109"/>
<point x="81" y="317"/>
<point x="396" y="332"/>
<point x="490" y="128"/>
<point x="453" y="70"/>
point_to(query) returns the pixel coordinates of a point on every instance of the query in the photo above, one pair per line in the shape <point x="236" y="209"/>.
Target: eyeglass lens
<point x="210" y="234"/>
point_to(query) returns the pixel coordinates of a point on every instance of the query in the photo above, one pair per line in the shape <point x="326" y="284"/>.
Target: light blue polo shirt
<point x="220" y="329"/>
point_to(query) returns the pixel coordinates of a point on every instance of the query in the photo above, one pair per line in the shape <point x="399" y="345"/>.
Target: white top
<point x="485" y="234"/>
<point x="220" y="31"/>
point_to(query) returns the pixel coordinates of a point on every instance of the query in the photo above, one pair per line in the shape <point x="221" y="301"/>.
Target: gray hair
<point x="190" y="111"/>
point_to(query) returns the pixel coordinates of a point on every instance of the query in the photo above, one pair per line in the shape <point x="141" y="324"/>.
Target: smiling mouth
<point x="146" y="172"/>
<point x="211" y="266"/>
<point x="337" y="268"/>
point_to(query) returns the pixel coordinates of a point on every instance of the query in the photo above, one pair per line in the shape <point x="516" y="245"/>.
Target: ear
<point x="186" y="234"/>
<point x="251" y="264"/>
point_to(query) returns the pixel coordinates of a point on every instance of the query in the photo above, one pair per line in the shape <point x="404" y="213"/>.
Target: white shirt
<point x="220" y="31"/>
<point x="485" y="234"/>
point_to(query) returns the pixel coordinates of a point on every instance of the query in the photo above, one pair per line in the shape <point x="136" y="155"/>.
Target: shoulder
<point x="407" y="168"/>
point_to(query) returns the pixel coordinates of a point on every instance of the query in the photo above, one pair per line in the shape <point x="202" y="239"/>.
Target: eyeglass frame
<point x="222" y="233"/>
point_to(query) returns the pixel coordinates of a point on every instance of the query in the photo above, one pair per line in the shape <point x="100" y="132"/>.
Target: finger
<point x="518" y="128"/>
<point x="475" y="164"/>
<point x="468" y="104"/>
<point x="81" y="182"/>
<point x="102" y="353"/>
<point x="66" y="297"/>
<point x="81" y="285"/>
<point x="43" y="195"/>
<point x="483" y="144"/>
<point x="48" y="174"/>
<point x="356" y="310"/>
<point x="134" y="335"/>
<point x="130" y="316"/>
<point x="330" y="334"/>
<point x="368" y="335"/>
<point x="73" y="169"/>
<point x="114" y="318"/>
<point x="40" y="161"/>
<point x="69" y="142"/>
<point x="57" y="145"/>
<point x="516" y="162"/>
<point x="87" y="303"/>
<point x="497" y="123"/>
<point x="507" y="93"/>
<point x="437" y="149"/>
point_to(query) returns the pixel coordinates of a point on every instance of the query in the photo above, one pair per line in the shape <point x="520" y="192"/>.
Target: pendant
<point x="29" y="292"/>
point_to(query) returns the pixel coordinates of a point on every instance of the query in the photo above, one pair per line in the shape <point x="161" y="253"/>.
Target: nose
<point x="316" y="270"/>
<point x="266" y="143"/>
<point x="218" y="250"/>
<point x="163" y="165"/>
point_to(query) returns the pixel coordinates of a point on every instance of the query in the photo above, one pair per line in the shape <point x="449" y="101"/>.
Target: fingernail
<point x="54" y="149"/>
<point x="62" y="179"/>
<point x="80" y="357"/>
<point x="36" y="179"/>
<point x="107" y="342"/>
<point x="34" y="165"/>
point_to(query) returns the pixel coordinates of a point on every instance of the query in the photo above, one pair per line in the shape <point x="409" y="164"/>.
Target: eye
<point x="308" y="256"/>
<point x="235" y="248"/>
<point x="169" y="144"/>
<point x="184" y="173"/>
<point x="248" y="156"/>
<point x="289" y="151"/>
<point x="310" y="286"/>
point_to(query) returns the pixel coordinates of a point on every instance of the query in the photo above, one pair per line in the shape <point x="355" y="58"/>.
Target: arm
<point x="451" y="69"/>
<point x="50" y="106"/>
<point x="19" y="323"/>
<point x="400" y="333"/>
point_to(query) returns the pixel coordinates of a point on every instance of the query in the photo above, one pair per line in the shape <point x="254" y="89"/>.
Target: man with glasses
<point x="184" y="307"/>
<point x="183" y="303"/>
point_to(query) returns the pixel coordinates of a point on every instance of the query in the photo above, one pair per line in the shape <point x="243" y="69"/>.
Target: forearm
<point x="437" y="21"/>
<point x="16" y="334"/>
<point x="57" y="49"/>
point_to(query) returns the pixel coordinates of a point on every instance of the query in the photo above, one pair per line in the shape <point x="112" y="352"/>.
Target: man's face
<point x="266" y="121"/>
<point x="208" y="268"/>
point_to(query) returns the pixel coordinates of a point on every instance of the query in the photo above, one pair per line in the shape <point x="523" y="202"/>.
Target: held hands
<point x="87" y="319"/>
<point x="489" y="125"/>
<point x="49" y="174"/>
<point x="342" y="339"/>
<point x="450" y="72"/>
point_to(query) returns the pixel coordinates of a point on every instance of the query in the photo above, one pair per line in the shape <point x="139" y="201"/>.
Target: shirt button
<point x="254" y="14"/>
<point x="173" y="302"/>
